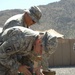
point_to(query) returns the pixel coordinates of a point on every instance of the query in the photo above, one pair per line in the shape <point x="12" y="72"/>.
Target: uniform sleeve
<point x="15" y="43"/>
<point x="8" y="56"/>
<point x="5" y="57"/>
<point x="11" y="24"/>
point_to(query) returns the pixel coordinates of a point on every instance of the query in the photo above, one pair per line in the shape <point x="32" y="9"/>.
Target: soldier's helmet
<point x="49" y="43"/>
<point x="35" y="13"/>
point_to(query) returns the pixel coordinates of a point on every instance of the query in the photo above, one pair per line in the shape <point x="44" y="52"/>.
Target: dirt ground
<point x="64" y="70"/>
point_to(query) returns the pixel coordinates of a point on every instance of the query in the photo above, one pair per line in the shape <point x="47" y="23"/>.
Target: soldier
<point x="22" y="41"/>
<point x="28" y="18"/>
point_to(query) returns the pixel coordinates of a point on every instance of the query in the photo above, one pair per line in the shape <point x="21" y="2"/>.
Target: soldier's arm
<point x="7" y="50"/>
<point x="6" y="60"/>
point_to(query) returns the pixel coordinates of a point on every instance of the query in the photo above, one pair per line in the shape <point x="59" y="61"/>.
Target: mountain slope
<point x="58" y="15"/>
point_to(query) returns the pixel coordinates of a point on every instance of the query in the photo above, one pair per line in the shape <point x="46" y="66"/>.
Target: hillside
<point x="58" y="15"/>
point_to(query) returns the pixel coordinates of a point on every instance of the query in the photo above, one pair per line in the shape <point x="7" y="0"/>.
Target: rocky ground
<point x="64" y="70"/>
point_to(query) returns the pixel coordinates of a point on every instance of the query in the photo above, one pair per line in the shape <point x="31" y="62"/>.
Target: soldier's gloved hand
<point x="24" y="70"/>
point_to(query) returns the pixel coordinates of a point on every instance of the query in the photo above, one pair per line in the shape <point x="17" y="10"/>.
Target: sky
<point x="22" y="4"/>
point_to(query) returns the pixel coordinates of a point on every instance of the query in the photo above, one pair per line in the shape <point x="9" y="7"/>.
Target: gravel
<point x="64" y="70"/>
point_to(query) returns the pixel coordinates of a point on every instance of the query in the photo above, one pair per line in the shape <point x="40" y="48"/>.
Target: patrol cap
<point x="35" y="13"/>
<point x="49" y="42"/>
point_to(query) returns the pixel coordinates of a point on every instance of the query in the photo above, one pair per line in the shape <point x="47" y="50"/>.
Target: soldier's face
<point x="37" y="51"/>
<point x="38" y="47"/>
<point x="28" y="20"/>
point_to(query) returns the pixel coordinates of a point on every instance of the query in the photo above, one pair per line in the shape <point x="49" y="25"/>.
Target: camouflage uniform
<point x="16" y="41"/>
<point x="19" y="20"/>
<point x="49" y="48"/>
<point x="19" y="40"/>
<point x="16" y="20"/>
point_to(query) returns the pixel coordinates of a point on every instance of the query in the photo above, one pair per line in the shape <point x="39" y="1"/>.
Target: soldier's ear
<point x="38" y="41"/>
<point x="26" y="14"/>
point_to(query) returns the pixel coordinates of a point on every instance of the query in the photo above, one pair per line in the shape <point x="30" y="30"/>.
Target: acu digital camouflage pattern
<point x="16" y="20"/>
<point x="35" y="13"/>
<point x="19" y="41"/>
<point x="16" y="41"/>
<point x="50" y="43"/>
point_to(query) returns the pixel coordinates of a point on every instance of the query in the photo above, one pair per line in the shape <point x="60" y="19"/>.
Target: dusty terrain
<point x="64" y="70"/>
